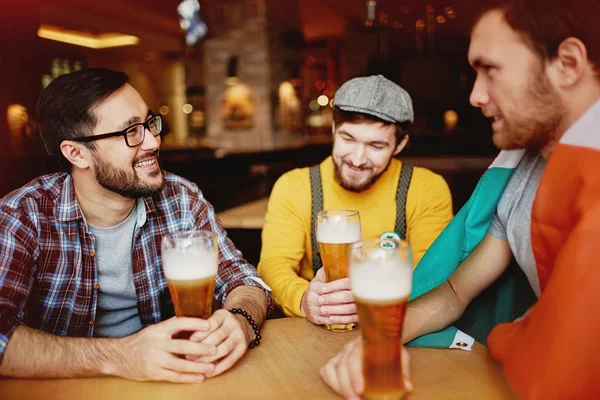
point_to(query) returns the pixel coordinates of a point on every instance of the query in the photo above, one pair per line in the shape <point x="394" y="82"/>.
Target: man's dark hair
<point x="545" y="24"/>
<point x="340" y="116"/>
<point x="66" y="107"/>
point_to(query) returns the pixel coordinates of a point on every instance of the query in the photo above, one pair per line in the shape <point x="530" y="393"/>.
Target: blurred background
<point x="245" y="86"/>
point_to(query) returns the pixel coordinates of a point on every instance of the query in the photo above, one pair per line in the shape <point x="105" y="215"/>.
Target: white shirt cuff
<point x="261" y="283"/>
<point x="462" y="341"/>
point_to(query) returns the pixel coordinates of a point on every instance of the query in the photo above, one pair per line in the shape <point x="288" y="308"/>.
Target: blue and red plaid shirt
<point x="48" y="272"/>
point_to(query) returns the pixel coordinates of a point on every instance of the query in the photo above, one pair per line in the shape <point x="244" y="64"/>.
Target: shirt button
<point x="91" y="322"/>
<point x="96" y="286"/>
<point x="92" y="253"/>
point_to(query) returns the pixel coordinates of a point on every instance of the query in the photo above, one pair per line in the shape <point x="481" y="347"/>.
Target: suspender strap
<point x="316" y="190"/>
<point x="403" y="184"/>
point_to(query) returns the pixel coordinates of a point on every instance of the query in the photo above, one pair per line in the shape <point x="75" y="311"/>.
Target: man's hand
<point x="329" y="302"/>
<point x="153" y="355"/>
<point x="343" y="373"/>
<point x="231" y="334"/>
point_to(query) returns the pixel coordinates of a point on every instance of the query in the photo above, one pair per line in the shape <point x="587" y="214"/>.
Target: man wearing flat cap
<point x="371" y="116"/>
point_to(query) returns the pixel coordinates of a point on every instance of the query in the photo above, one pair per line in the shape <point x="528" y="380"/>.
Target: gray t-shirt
<point x="117" y="312"/>
<point x="512" y="219"/>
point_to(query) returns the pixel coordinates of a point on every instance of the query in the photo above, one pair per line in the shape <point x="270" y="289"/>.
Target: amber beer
<point x="190" y="266"/>
<point x="193" y="297"/>
<point x="337" y="230"/>
<point x="335" y="255"/>
<point x="381" y="284"/>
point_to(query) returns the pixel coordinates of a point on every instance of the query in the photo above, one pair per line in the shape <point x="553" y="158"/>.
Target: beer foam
<point x="381" y="280"/>
<point x="189" y="264"/>
<point x="338" y="233"/>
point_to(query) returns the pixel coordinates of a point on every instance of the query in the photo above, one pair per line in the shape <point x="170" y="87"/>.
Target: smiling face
<point x="132" y="172"/>
<point x="362" y="152"/>
<point x="512" y="87"/>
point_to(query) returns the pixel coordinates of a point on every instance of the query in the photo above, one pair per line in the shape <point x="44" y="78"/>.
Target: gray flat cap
<point x="377" y="96"/>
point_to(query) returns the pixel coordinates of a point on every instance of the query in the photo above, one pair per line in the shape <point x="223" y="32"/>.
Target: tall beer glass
<point x="190" y="265"/>
<point x="381" y="278"/>
<point x="336" y="231"/>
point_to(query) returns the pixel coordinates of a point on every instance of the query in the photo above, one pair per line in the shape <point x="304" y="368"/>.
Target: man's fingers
<point x="217" y="319"/>
<point x="329" y="375"/>
<point x="310" y="301"/>
<point x="320" y="319"/>
<point x="199" y="336"/>
<point x="228" y="361"/>
<point x="339" y="297"/>
<point x="217" y="337"/>
<point x="345" y="309"/>
<point x="354" y="360"/>
<point x="320" y="275"/>
<point x="222" y="351"/>
<point x="343" y="319"/>
<point x="313" y="293"/>
<point x="323" y="315"/>
<point x="336" y="286"/>
<point x="177" y="364"/>
<point x="177" y="377"/>
<point x="329" y="370"/>
<point x="178" y="324"/>
<point x="349" y="370"/>
<point x="338" y="356"/>
<point x="344" y="379"/>
<point x="180" y="346"/>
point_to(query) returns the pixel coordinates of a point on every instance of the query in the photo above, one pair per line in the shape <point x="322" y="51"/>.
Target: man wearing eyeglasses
<point x="82" y="290"/>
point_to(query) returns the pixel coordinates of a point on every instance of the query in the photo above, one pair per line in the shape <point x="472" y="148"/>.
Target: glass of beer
<point x="337" y="230"/>
<point x="190" y="264"/>
<point x="381" y="278"/>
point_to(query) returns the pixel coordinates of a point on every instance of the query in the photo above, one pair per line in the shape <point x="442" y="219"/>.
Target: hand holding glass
<point x="336" y="230"/>
<point x="190" y="265"/>
<point x="381" y="278"/>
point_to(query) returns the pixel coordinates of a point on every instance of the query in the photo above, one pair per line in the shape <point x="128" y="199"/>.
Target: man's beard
<point x="127" y="184"/>
<point x="356" y="187"/>
<point x="537" y="126"/>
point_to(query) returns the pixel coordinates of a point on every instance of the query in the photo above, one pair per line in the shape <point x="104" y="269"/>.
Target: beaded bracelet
<point x="244" y="314"/>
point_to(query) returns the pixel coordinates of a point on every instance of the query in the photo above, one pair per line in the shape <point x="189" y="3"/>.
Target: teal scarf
<point x="454" y="245"/>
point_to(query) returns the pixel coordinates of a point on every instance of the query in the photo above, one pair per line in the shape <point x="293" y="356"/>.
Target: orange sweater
<point x="553" y="352"/>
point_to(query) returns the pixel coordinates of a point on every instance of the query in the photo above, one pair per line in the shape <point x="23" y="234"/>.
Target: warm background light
<point x="232" y="80"/>
<point x="187" y="108"/>
<point x="450" y="120"/>
<point x="17" y="118"/>
<point x="323" y="100"/>
<point x="286" y="90"/>
<point x="84" y="39"/>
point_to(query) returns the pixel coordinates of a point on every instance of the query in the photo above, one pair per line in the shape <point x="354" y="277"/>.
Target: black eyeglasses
<point x="134" y="135"/>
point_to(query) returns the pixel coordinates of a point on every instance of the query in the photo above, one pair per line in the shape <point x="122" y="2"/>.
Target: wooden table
<point x="247" y="216"/>
<point x="286" y="366"/>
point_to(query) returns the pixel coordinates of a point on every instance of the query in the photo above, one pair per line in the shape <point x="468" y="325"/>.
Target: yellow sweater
<point x="285" y="259"/>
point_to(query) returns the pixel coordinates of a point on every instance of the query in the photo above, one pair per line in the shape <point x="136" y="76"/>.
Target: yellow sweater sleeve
<point x="428" y="210"/>
<point x="283" y="241"/>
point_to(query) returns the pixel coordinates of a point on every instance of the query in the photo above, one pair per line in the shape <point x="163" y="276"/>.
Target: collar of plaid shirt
<point x="68" y="209"/>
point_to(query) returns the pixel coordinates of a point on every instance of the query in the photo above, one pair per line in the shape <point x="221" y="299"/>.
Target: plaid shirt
<point x="48" y="273"/>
